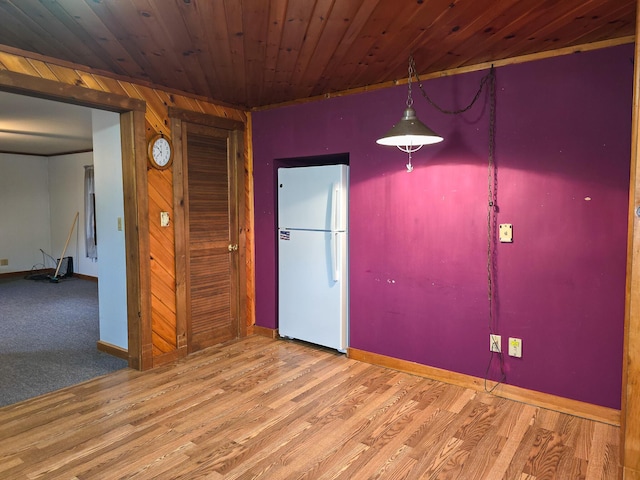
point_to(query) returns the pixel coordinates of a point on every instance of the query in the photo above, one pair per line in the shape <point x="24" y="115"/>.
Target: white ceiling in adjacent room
<point x="35" y="126"/>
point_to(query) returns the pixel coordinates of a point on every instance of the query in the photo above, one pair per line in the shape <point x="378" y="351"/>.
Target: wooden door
<point x="211" y="238"/>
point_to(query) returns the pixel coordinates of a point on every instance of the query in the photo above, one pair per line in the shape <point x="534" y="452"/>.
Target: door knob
<point x="233" y="248"/>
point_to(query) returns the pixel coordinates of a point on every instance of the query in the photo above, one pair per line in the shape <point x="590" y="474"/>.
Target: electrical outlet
<point x="515" y="347"/>
<point x="495" y="343"/>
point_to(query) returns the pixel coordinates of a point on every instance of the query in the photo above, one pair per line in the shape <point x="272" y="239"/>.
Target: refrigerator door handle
<point x="335" y="205"/>
<point x="335" y="270"/>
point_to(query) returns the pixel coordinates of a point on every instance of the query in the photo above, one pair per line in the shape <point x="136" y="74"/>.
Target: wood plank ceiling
<point x="252" y="53"/>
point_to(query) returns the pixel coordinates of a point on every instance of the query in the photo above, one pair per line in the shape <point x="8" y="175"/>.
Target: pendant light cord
<point x="412" y="72"/>
<point x="492" y="180"/>
<point x="491" y="201"/>
<point x="483" y="81"/>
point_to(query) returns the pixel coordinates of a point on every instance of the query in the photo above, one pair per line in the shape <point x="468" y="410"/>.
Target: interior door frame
<point x="177" y="117"/>
<point x="134" y="183"/>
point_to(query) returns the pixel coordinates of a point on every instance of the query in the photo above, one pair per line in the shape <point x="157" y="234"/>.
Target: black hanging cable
<point x="53" y="260"/>
<point x="489" y="78"/>
<point x="483" y="81"/>
<point x="491" y="228"/>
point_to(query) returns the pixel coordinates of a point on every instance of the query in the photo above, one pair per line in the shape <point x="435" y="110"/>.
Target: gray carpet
<point x="48" y="335"/>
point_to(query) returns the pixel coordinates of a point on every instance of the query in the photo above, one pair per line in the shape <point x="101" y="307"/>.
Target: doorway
<point x="59" y="325"/>
<point x="44" y="159"/>
<point x="131" y="113"/>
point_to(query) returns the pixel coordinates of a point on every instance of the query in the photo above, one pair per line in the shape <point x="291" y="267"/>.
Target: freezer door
<point x="312" y="287"/>
<point x="313" y="198"/>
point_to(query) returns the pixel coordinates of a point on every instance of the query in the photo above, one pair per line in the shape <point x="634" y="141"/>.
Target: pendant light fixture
<point x="409" y="134"/>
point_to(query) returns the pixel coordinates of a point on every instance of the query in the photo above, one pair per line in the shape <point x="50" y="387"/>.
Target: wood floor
<point x="269" y="409"/>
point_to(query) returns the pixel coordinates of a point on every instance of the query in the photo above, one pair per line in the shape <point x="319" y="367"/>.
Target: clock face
<point x="160" y="152"/>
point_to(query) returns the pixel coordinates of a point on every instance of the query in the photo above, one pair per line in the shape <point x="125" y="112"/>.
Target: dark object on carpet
<point x="64" y="270"/>
<point x="39" y="275"/>
<point x="66" y="267"/>
<point x="56" y="278"/>
<point x="49" y="336"/>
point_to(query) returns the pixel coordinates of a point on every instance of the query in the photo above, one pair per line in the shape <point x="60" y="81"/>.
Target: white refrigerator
<point x="313" y="277"/>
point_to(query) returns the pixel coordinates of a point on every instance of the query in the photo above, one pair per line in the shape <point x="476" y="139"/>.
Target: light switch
<point x="119" y="224"/>
<point x="164" y="219"/>
<point x="506" y="233"/>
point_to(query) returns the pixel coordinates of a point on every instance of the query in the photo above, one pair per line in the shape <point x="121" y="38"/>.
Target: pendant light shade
<point x="409" y="134"/>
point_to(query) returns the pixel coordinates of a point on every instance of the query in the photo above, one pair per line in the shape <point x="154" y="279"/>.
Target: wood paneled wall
<point x="162" y="261"/>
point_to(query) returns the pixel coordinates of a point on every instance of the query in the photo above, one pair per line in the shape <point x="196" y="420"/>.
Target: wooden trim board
<point x="23" y="84"/>
<point x="135" y="185"/>
<point x="112" y="350"/>
<point x="180" y="236"/>
<point x="165" y="358"/>
<point x="544" y="400"/>
<point x="630" y="442"/>
<point x="265" y="332"/>
<point x="48" y="271"/>
<point x="204" y="119"/>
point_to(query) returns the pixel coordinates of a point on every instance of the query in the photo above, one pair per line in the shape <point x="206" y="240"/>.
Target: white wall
<point x="112" y="288"/>
<point x="39" y="197"/>
<point x="66" y="190"/>
<point x="24" y="212"/>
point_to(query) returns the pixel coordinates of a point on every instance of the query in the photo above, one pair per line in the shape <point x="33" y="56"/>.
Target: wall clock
<point x="160" y="152"/>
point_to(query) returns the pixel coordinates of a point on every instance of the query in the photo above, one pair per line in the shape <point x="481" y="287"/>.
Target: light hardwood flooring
<point x="270" y="409"/>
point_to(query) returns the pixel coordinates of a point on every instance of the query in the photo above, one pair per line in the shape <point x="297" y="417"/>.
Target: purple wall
<point x="418" y="241"/>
